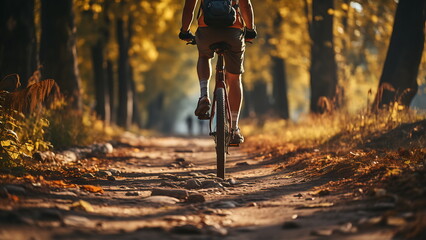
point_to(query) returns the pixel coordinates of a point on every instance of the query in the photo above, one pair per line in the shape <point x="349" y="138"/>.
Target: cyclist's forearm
<point x="247" y="13"/>
<point x="188" y="14"/>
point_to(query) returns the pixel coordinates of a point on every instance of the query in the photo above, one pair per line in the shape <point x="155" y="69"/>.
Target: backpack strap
<point x="199" y="9"/>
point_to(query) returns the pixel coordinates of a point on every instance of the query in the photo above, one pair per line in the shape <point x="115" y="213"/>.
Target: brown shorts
<point x="206" y="36"/>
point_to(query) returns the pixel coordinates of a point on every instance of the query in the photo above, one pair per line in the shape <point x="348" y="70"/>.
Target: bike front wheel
<point x="220" y="132"/>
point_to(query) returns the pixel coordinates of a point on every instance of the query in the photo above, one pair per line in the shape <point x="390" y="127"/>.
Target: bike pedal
<point x="234" y="145"/>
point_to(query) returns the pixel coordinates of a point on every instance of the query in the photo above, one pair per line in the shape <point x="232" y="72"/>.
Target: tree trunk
<point x="111" y="90"/>
<point x="323" y="69"/>
<point x="125" y="92"/>
<point x="398" y="82"/>
<point x="137" y="117"/>
<point x="18" y="51"/>
<point x="58" y="53"/>
<point x="280" y="87"/>
<point x="102" y="107"/>
<point x="260" y="98"/>
<point x="99" y="51"/>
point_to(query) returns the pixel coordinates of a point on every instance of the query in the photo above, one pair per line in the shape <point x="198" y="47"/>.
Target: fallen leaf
<point x="91" y="188"/>
<point x="82" y="205"/>
<point x="61" y="184"/>
<point x="13" y="198"/>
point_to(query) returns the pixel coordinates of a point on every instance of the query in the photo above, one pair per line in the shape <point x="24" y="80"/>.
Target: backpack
<point x="219" y="13"/>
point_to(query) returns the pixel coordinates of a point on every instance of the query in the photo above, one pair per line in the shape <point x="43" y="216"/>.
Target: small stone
<point x="111" y="178"/>
<point x="102" y="148"/>
<point x="15" y="190"/>
<point x="192" y="184"/>
<point x="76" y="221"/>
<point x="226" y="204"/>
<point x="187" y="164"/>
<point x="176" y="193"/>
<point x="66" y="156"/>
<point x="44" y="156"/>
<point x="180" y="160"/>
<point x="103" y="174"/>
<point x="175" y="218"/>
<point x="299" y="195"/>
<point x="169" y="176"/>
<point x="114" y="171"/>
<point x="347" y="228"/>
<point x="216" y="230"/>
<point x="174" y="165"/>
<point x="168" y="184"/>
<point x="196" y="198"/>
<point x="194" y="174"/>
<point x="132" y="194"/>
<point x="211" y="184"/>
<point x="186" y="229"/>
<point x="290" y="225"/>
<point x="252" y="204"/>
<point x="232" y="181"/>
<point x="322" y="233"/>
<point x="309" y="199"/>
<point x="242" y="164"/>
<point x="88" y="175"/>
<point x="161" y="199"/>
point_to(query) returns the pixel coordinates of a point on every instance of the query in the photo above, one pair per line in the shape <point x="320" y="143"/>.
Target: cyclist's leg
<point x="235" y="96"/>
<point x="234" y="68"/>
<point x="205" y="54"/>
<point x="204" y="73"/>
<point x="204" y="70"/>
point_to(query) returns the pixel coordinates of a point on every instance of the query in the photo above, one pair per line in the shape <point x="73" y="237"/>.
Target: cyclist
<point x="234" y="35"/>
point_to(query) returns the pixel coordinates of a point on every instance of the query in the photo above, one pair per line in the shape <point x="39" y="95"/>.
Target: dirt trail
<point x="257" y="201"/>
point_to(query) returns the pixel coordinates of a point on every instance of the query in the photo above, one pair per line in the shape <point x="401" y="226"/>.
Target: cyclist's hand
<point x="250" y="34"/>
<point x="186" y="36"/>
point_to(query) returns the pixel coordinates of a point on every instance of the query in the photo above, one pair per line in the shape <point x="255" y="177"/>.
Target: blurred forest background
<point x="122" y="60"/>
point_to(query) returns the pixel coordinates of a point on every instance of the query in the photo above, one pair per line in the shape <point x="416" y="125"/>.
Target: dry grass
<point x="361" y="151"/>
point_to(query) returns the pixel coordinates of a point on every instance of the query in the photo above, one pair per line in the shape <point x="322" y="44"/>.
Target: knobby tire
<point x="220" y="132"/>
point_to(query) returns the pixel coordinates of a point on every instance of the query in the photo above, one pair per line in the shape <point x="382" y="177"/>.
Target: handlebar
<point x="193" y="42"/>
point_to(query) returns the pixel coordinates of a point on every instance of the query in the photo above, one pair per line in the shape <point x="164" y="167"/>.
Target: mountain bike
<point x="220" y="113"/>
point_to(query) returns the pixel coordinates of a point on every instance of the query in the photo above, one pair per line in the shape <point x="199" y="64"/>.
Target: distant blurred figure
<point x="189" y="124"/>
<point x="201" y="127"/>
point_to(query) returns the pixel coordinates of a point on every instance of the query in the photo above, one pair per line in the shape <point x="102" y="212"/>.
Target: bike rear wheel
<point x="220" y="132"/>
